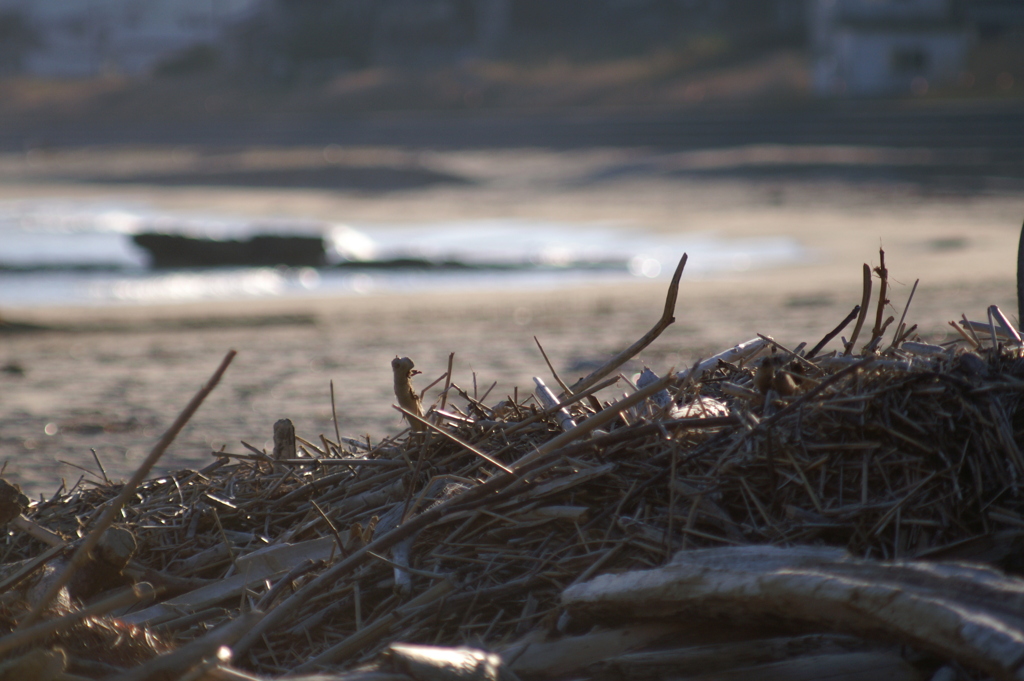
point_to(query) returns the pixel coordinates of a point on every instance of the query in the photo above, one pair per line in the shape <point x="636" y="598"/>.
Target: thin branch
<point x="903" y="317"/>
<point x="441" y="431"/>
<point x="563" y="386"/>
<point x="334" y="415"/>
<point x="667" y="318"/>
<point x="883" y="275"/>
<point x="447" y="380"/>
<point x="114" y="507"/>
<point x="834" y="332"/>
<point x="864" y="302"/>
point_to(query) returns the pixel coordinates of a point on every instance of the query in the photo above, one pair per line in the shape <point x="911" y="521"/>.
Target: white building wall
<point x="870" y="63"/>
<point x="878" y="47"/>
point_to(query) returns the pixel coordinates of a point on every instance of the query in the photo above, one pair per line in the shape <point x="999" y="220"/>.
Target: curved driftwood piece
<point x="956" y="611"/>
<point x="864" y="304"/>
<point x="567" y="656"/>
<point x="795" y="658"/>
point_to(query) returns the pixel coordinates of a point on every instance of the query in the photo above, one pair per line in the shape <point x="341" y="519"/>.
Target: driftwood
<point x="971" y="614"/>
<point x="743" y="352"/>
<point x="284" y="439"/>
<point x="404" y="392"/>
<point x="569" y="655"/>
<point x="793" y="658"/>
<point x="550" y="403"/>
<point x="433" y="663"/>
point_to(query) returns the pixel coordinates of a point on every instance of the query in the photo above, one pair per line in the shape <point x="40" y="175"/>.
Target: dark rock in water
<point x="173" y="250"/>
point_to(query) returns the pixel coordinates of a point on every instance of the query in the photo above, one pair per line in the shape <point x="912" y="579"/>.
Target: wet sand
<point x="112" y="379"/>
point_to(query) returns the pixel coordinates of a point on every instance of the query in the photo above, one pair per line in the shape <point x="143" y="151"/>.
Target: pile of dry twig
<point x="466" y="529"/>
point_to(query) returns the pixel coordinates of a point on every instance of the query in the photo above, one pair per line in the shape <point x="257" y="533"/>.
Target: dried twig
<point x="105" y="520"/>
<point x="883" y="276"/>
<point x="903" y="317"/>
<point x="563" y="386"/>
<point x="667" y="318"/>
<point x="334" y="416"/>
<point x="865" y="301"/>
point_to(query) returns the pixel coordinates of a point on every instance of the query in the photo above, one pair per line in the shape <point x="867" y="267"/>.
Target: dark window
<point x="908" y="60"/>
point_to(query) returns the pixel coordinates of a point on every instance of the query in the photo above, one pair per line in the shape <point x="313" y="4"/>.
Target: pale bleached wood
<point x="438" y="663"/>
<point x="549" y="402"/>
<point x="968" y="614"/>
<point x="789" y="658"/>
<point x="745" y="351"/>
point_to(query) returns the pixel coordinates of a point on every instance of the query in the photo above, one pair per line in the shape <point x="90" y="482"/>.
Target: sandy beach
<point x="113" y="378"/>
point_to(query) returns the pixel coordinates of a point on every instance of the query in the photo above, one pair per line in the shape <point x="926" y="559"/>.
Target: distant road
<point x="915" y="123"/>
<point x="980" y="138"/>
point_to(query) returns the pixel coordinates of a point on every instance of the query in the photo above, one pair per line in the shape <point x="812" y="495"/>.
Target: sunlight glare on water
<point x="193" y="286"/>
<point x="82" y="253"/>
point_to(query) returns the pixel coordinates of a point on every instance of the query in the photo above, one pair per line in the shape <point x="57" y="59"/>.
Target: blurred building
<point x="858" y="47"/>
<point x="995" y="18"/>
<point x="289" y="38"/>
<point x="76" y="38"/>
<point x="884" y="47"/>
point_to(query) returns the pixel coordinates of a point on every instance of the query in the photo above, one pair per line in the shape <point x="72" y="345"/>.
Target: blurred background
<point x="110" y="110"/>
<point x="325" y="184"/>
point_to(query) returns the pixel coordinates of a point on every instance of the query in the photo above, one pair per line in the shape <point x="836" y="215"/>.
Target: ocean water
<point x="73" y="252"/>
